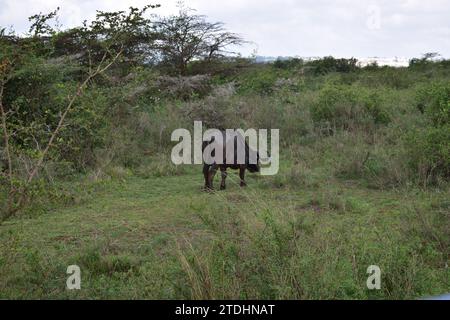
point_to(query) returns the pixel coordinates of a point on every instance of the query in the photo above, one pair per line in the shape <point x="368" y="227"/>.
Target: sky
<point x="306" y="28"/>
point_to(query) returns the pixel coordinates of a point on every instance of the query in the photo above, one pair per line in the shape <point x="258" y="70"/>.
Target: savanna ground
<point x="363" y="180"/>
<point x="163" y="238"/>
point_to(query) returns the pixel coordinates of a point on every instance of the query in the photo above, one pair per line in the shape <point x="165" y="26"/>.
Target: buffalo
<point x="251" y="162"/>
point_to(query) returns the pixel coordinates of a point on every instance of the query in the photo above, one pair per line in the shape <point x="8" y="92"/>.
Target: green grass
<point x="162" y="237"/>
<point x="364" y="180"/>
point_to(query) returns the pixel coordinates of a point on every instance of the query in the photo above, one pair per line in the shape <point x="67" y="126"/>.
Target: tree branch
<point x="80" y="89"/>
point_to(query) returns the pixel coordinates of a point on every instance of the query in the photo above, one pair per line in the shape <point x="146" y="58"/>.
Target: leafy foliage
<point x="331" y="64"/>
<point x="434" y="100"/>
<point x="346" y="107"/>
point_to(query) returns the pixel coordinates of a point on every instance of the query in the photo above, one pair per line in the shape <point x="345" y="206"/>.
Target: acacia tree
<point x="186" y="37"/>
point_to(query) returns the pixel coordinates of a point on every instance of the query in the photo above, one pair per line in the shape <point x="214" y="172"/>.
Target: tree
<point x="23" y="60"/>
<point x="129" y="30"/>
<point x="426" y="59"/>
<point x="40" y="25"/>
<point x="186" y="37"/>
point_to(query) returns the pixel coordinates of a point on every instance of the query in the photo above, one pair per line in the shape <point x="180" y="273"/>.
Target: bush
<point x="434" y="101"/>
<point x="213" y="111"/>
<point x="429" y="153"/>
<point x="184" y="88"/>
<point x="287" y="64"/>
<point x="396" y="78"/>
<point x="347" y="107"/>
<point x="429" y="145"/>
<point x="389" y="77"/>
<point x="219" y="67"/>
<point x="330" y="64"/>
<point x="260" y="80"/>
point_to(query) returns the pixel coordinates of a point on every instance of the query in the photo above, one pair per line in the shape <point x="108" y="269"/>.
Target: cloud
<point x="288" y="27"/>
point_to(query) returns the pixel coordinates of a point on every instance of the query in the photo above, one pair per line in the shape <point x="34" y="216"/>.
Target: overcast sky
<point x="342" y="28"/>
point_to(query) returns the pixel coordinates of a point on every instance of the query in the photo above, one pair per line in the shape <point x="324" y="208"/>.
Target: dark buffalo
<point x="210" y="170"/>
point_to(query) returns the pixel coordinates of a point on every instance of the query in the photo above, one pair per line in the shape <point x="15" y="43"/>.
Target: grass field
<point x="87" y="118"/>
<point x="162" y="237"/>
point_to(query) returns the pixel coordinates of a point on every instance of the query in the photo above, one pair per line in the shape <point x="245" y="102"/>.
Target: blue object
<point x="441" y="297"/>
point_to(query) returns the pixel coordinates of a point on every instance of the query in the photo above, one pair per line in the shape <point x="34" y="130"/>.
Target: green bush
<point x="331" y="64"/>
<point x="429" y="153"/>
<point x="287" y="64"/>
<point x="434" y="101"/>
<point x="429" y="145"/>
<point x="389" y="77"/>
<point x="347" y="107"/>
<point x="259" y="80"/>
<point x="396" y="78"/>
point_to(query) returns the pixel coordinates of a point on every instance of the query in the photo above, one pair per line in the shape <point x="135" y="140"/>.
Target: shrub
<point x="396" y="78"/>
<point x="184" y="88"/>
<point x="429" y="153"/>
<point x="434" y="101"/>
<point x="287" y="64"/>
<point x="259" y="80"/>
<point x="429" y="146"/>
<point x="347" y="107"/>
<point x="389" y="77"/>
<point x="219" y="67"/>
<point x="213" y="111"/>
<point x="330" y="64"/>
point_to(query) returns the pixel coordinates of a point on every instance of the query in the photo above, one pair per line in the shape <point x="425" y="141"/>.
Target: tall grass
<point x="316" y="250"/>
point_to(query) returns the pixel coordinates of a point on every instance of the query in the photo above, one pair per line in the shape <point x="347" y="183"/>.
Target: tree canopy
<point x="185" y="37"/>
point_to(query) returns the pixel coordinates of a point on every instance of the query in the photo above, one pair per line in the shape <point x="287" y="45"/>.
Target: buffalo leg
<point x="223" y="171"/>
<point x="242" y="176"/>
<point x="210" y="176"/>
<point x="206" y="175"/>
